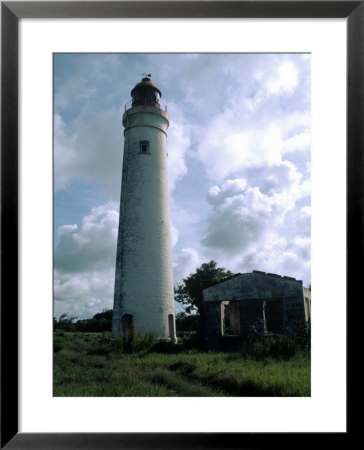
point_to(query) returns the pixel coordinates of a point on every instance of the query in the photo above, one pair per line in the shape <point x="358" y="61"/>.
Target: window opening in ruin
<point x="307" y="305"/>
<point x="171" y="325"/>
<point x="273" y="316"/>
<point x="230" y="318"/>
<point x="127" y="322"/>
<point x="144" y="146"/>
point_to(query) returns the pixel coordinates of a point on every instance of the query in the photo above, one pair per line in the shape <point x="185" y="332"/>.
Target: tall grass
<point x="133" y="342"/>
<point x="90" y="364"/>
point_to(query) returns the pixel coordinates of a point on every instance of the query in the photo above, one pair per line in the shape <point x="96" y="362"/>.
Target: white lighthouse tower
<point x="143" y="298"/>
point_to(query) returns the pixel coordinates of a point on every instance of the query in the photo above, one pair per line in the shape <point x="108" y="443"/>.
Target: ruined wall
<point x="252" y="291"/>
<point x="212" y="324"/>
<point x="294" y="314"/>
<point x="255" y="285"/>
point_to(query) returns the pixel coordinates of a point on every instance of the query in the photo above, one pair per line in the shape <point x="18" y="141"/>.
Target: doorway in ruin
<point x="127" y="322"/>
<point x="230" y="318"/>
<point x="273" y="315"/>
<point x="171" y="325"/>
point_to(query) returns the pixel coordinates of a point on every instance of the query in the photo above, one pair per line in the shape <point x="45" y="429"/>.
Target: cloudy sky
<point x="238" y="161"/>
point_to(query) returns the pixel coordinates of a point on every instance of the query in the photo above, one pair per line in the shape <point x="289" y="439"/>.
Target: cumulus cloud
<point x="174" y="235"/>
<point x="91" y="246"/>
<point x="260" y="227"/>
<point x="261" y="120"/>
<point x="230" y="188"/>
<point x="185" y="262"/>
<point x="75" y="89"/>
<point x="305" y="211"/>
<point x="178" y="143"/>
<point x="282" y="81"/>
<point x="238" y="220"/>
<point x="91" y="153"/>
<point x="84" y="262"/>
<point x="230" y="146"/>
<point x="279" y="255"/>
<point x="299" y="141"/>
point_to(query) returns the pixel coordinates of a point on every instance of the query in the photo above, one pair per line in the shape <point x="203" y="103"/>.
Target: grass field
<point x="88" y="364"/>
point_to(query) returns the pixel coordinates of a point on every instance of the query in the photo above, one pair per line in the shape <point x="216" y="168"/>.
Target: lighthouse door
<point x="171" y="326"/>
<point x="127" y="323"/>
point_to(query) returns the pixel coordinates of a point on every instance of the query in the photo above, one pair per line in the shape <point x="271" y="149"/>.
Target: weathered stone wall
<point x="253" y="285"/>
<point x="294" y="314"/>
<point x="212" y="324"/>
<point x="251" y="290"/>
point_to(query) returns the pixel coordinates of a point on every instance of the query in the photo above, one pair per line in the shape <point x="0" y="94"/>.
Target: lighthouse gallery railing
<point x="161" y="104"/>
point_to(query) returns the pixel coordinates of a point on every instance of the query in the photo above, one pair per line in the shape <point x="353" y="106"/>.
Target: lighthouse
<point x="144" y="296"/>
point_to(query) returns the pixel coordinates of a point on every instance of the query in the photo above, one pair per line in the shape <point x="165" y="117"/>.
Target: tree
<point x="99" y="322"/>
<point x="187" y="322"/>
<point x="65" y="323"/>
<point x="189" y="292"/>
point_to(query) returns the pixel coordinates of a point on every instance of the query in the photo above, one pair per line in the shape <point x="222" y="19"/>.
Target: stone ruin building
<point x="272" y="303"/>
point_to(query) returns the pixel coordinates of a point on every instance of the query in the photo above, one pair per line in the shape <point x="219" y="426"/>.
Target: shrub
<point x="100" y="350"/>
<point x="133" y="342"/>
<point x="57" y="347"/>
<point x="64" y="323"/>
<point x="304" y="336"/>
<point x="186" y="322"/>
<point x="269" y="346"/>
<point x="260" y="345"/>
<point x="192" y="340"/>
<point x="98" y="323"/>
<point x="164" y="346"/>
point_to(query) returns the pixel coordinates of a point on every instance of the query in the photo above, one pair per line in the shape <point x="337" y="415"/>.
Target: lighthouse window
<point x="144" y="147"/>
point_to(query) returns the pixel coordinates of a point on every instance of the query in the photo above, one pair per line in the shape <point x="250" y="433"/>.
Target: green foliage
<point x="133" y="342"/>
<point x="185" y="322"/>
<point x="99" y="322"/>
<point x="189" y="292"/>
<point x="90" y="365"/>
<point x="167" y="347"/>
<point x="64" y="322"/>
<point x="304" y="337"/>
<point x="279" y="347"/>
<point x="260" y="345"/>
<point x="193" y="340"/>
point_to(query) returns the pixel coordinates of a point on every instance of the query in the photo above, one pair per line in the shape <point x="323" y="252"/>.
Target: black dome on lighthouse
<point x="146" y="83"/>
<point x="146" y="93"/>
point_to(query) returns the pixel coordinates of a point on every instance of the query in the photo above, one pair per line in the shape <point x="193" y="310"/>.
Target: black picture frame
<point x="11" y="12"/>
